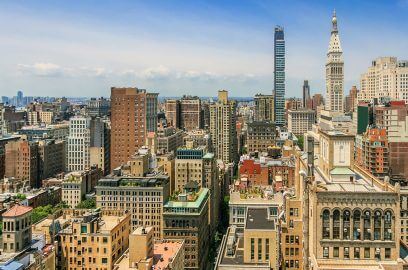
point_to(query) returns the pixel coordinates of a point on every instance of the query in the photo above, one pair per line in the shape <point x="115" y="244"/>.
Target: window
<point x="356" y="253"/>
<point x="336" y="224"/>
<point x="336" y="252"/>
<point x="104" y="260"/>
<point x="346" y="253"/>
<point x="378" y="253"/>
<point x="356" y="225"/>
<point x="267" y="249"/>
<point x="367" y="252"/>
<point x="259" y="249"/>
<point x="326" y="224"/>
<point x="325" y="252"/>
<point x="387" y="253"/>
<point x="252" y="248"/>
<point x="346" y="225"/>
<point x="367" y="225"/>
<point x="377" y="225"/>
<point x="387" y="225"/>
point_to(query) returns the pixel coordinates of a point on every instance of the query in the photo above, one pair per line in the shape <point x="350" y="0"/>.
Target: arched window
<point x="356" y="225"/>
<point x="367" y="225"/>
<point x="387" y="225"/>
<point x="377" y="225"/>
<point x="336" y="224"/>
<point x="326" y="224"/>
<point x="346" y="225"/>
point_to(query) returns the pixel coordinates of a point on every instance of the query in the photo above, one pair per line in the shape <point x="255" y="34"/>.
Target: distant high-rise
<point x="264" y="108"/>
<point x="19" y="98"/>
<point x="279" y="75"/>
<point x="223" y="128"/>
<point x="133" y="115"/>
<point x="334" y="71"/>
<point x="306" y="94"/>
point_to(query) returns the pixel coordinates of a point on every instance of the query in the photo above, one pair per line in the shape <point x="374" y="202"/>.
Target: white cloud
<point x="159" y="72"/>
<point x="41" y="69"/>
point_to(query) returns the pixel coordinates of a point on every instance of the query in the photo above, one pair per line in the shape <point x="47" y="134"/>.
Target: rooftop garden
<point x="255" y="192"/>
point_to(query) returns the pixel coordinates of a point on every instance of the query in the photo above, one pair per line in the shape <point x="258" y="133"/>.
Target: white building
<point x="87" y="143"/>
<point x="386" y="77"/>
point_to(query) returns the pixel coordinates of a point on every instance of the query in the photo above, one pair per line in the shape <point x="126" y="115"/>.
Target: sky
<point x="83" y="48"/>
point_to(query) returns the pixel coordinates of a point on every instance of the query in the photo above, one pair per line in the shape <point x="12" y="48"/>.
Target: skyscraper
<point x="306" y="94"/>
<point x="223" y="128"/>
<point x="133" y="115"/>
<point x="279" y="75"/>
<point x="334" y="71"/>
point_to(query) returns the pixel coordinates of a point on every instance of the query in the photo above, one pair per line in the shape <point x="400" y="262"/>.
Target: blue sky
<point x="82" y="48"/>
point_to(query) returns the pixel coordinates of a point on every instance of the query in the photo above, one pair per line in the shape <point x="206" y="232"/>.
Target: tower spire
<point x="334" y="22"/>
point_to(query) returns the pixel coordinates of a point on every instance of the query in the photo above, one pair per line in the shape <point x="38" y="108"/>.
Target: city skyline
<point x="202" y="47"/>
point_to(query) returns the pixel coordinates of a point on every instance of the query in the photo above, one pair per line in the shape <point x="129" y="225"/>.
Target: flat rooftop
<point x="263" y="195"/>
<point x="163" y="253"/>
<point x="257" y="219"/>
<point x="237" y="259"/>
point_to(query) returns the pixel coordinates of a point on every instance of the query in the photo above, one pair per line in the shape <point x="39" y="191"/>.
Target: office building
<point x="264" y="108"/>
<point x="173" y="112"/>
<point x="76" y="185"/>
<point x="3" y="141"/>
<point x="58" y="131"/>
<point x="189" y="166"/>
<point x="223" y="128"/>
<point x="186" y="217"/>
<point x="386" y="78"/>
<point x="94" y="239"/>
<point x="143" y="197"/>
<point x="306" y="95"/>
<point x="168" y="139"/>
<point x="98" y="107"/>
<point x="301" y="121"/>
<point x="22" y="161"/>
<point x="351" y="100"/>
<point x="133" y="115"/>
<point x="334" y="71"/>
<point x="87" y="141"/>
<point x="279" y="75"/>
<point x="184" y="113"/>
<point x="51" y="158"/>
<point x="260" y="136"/>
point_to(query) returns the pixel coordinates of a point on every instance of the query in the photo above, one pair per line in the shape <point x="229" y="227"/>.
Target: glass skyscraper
<point x="279" y="75"/>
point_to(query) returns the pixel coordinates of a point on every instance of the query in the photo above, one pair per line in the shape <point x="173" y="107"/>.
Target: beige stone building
<point x="143" y="197"/>
<point x="353" y="221"/>
<point x="223" y="128"/>
<point x="301" y="121"/>
<point x="255" y="246"/>
<point x="94" y="240"/>
<point x="166" y="164"/>
<point x="387" y="77"/>
<point x="76" y="184"/>
<point x="146" y="253"/>
<point x="334" y="71"/>
<point x="16" y="228"/>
